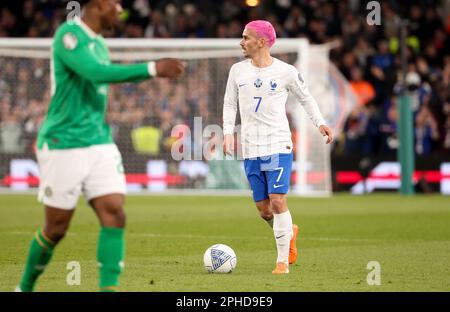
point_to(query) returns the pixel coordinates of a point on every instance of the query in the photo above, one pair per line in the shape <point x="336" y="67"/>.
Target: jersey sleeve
<point x="297" y="87"/>
<point x="75" y="53"/>
<point x="230" y="103"/>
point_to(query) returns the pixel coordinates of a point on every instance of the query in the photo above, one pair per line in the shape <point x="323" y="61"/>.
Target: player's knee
<point x="277" y="204"/>
<point x="264" y="210"/>
<point x="120" y="219"/>
<point x="117" y="218"/>
<point x="266" y="215"/>
<point x="56" y="232"/>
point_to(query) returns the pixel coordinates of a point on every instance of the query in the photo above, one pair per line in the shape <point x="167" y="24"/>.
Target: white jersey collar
<point x="262" y="68"/>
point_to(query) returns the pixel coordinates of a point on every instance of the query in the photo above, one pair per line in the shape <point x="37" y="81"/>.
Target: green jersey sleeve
<point x="77" y="53"/>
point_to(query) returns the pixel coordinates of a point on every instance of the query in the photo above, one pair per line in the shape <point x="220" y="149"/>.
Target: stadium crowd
<point x="368" y="57"/>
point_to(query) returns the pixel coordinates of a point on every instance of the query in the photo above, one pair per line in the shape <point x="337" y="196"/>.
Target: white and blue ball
<point x="219" y="258"/>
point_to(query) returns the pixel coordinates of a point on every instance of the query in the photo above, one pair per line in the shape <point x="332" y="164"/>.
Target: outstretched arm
<point x="79" y="58"/>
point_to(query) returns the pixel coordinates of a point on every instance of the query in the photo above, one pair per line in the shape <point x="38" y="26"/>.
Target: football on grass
<point x="219" y="258"/>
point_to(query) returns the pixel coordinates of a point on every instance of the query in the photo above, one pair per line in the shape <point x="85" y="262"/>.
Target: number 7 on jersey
<point x="259" y="98"/>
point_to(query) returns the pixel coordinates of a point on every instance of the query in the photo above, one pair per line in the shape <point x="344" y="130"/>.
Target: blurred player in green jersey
<point x="76" y="153"/>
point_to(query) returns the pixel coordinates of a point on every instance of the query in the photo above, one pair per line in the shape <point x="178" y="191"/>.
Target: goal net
<point x="168" y="130"/>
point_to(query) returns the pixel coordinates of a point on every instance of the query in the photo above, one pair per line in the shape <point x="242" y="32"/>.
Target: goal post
<point x="143" y="116"/>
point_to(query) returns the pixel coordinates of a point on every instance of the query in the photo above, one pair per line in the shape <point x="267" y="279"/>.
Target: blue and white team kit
<point x="265" y="134"/>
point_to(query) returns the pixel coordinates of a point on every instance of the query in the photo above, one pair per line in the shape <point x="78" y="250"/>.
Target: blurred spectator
<point x="355" y="131"/>
<point x="388" y="129"/>
<point x="296" y="21"/>
<point x="11" y="134"/>
<point x="426" y="131"/>
<point x="446" y="144"/>
<point x="363" y="51"/>
<point x="363" y="90"/>
<point x="157" y="27"/>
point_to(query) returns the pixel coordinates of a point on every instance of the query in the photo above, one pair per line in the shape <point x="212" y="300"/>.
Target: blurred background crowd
<point x="368" y="57"/>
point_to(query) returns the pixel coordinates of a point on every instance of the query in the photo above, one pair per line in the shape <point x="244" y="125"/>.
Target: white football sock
<point x="282" y="229"/>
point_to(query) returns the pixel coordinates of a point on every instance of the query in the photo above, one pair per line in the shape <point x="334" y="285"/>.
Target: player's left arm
<point x="298" y="88"/>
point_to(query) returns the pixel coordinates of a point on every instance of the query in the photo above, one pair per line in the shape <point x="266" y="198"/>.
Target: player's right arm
<point x="75" y="53"/>
<point x="229" y="112"/>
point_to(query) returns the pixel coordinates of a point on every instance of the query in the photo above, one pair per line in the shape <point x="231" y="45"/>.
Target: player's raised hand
<point x="228" y="144"/>
<point x="169" y="68"/>
<point x="326" y="131"/>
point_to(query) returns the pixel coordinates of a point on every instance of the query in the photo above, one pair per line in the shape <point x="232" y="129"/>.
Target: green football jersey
<point x="80" y="73"/>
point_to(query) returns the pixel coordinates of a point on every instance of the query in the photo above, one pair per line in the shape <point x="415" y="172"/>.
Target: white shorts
<point x="96" y="171"/>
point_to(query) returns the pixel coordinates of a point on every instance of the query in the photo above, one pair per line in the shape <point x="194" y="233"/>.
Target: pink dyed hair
<point x="263" y="29"/>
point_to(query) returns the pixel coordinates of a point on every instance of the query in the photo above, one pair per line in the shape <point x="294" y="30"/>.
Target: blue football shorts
<point x="269" y="174"/>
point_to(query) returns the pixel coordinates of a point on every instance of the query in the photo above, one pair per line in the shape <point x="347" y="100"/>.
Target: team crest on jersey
<point x="70" y="41"/>
<point x="273" y="85"/>
<point x="48" y="191"/>
<point x="258" y="83"/>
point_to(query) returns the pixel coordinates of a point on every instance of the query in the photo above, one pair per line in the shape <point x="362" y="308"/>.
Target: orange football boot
<point x="281" y="268"/>
<point x="293" y="251"/>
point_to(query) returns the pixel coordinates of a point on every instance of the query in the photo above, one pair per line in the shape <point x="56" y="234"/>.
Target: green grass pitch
<point x="166" y="237"/>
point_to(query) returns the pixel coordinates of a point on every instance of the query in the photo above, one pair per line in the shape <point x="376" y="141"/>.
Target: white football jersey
<point x="262" y="94"/>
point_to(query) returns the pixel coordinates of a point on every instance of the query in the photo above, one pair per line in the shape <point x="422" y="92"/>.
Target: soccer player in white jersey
<point x="261" y="84"/>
